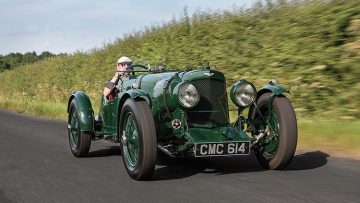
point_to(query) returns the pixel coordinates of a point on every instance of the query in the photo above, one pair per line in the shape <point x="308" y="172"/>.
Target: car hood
<point x="201" y="74"/>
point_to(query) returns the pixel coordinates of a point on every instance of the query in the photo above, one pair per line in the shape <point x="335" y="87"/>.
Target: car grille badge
<point x="209" y="74"/>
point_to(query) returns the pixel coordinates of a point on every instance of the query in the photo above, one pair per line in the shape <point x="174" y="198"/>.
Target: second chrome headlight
<point x="243" y="93"/>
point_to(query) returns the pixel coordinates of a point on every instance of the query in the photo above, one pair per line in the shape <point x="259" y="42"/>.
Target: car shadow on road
<point x="308" y="160"/>
<point x="109" y="151"/>
<point x="175" y="168"/>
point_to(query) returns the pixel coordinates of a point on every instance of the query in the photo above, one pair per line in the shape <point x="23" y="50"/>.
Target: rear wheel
<point x="138" y="139"/>
<point x="276" y="150"/>
<point x="79" y="141"/>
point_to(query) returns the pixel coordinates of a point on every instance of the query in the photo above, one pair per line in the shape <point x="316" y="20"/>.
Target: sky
<point x="66" y="26"/>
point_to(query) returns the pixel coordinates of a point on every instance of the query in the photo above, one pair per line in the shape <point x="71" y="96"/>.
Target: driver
<point x="122" y="64"/>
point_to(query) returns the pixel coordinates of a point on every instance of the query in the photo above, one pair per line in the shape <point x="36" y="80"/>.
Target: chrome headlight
<point x="188" y="95"/>
<point x="243" y="93"/>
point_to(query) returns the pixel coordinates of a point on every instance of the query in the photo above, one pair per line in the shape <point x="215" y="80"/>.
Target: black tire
<point x="287" y="132"/>
<point x="79" y="141"/>
<point x="138" y="139"/>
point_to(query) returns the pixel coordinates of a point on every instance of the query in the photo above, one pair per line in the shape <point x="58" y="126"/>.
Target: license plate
<point x="222" y="148"/>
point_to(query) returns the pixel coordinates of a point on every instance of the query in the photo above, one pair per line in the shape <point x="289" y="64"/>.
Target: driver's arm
<point x="110" y="85"/>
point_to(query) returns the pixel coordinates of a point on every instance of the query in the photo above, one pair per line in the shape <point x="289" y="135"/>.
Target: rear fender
<point x="84" y="107"/>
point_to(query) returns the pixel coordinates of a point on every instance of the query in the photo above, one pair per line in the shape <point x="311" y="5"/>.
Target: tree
<point x="45" y="54"/>
<point x="29" y="57"/>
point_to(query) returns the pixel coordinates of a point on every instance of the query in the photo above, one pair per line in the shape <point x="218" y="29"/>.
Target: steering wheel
<point x="136" y="65"/>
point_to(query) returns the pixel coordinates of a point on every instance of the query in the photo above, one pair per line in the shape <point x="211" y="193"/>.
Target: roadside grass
<point x="42" y="109"/>
<point x="338" y="137"/>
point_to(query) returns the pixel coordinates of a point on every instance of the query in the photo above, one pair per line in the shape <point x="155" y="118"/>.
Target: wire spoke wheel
<point x="138" y="139"/>
<point x="74" y="130"/>
<point x="270" y="143"/>
<point x="277" y="148"/>
<point x="131" y="147"/>
<point x="79" y="141"/>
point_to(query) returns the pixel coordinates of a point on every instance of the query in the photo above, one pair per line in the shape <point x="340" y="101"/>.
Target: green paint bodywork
<point x="159" y="90"/>
<point x="199" y="74"/>
<point x="86" y="112"/>
<point x="275" y="89"/>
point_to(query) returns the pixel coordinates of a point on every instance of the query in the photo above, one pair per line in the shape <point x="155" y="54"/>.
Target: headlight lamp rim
<point x="233" y="93"/>
<point x="176" y="93"/>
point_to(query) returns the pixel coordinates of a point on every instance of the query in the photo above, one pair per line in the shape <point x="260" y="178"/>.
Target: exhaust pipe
<point x="163" y="149"/>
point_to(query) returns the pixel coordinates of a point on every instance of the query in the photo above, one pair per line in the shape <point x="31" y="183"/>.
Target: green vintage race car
<point x="185" y="113"/>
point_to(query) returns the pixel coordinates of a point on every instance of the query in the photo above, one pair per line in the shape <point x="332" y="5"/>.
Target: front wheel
<point x="276" y="150"/>
<point x="138" y="139"/>
<point x="79" y="141"/>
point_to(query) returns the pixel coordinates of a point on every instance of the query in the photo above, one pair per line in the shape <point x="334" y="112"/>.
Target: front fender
<point x="138" y="93"/>
<point x="85" y="110"/>
<point x="273" y="88"/>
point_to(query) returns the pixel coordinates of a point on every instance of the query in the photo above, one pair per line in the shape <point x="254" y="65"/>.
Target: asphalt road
<point x="36" y="165"/>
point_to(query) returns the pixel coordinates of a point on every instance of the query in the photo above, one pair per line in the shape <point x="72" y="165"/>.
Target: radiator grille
<point x="212" y="106"/>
